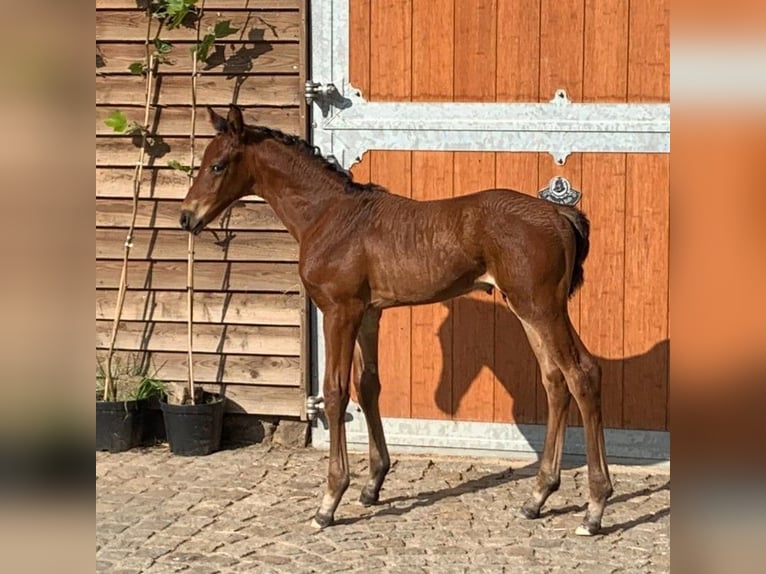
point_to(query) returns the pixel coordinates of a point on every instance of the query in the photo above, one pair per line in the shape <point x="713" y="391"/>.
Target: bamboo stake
<point x="190" y="254"/>
<point x="109" y="391"/>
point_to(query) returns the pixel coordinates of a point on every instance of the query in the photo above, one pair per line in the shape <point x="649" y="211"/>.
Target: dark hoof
<point x="369" y="499"/>
<point x="529" y="512"/>
<point x="321" y="521"/>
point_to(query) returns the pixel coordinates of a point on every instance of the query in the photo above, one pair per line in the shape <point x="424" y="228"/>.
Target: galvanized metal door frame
<point x="345" y="126"/>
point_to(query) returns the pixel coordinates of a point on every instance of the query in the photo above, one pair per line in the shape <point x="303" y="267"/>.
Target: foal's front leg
<point x="340" y="327"/>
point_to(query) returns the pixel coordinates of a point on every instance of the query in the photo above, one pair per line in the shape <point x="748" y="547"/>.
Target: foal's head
<point x="222" y="177"/>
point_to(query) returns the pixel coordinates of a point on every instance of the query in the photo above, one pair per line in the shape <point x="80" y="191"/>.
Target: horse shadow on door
<point x="634" y="388"/>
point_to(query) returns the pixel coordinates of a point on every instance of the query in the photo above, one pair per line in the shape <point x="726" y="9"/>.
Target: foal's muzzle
<point x="189" y="222"/>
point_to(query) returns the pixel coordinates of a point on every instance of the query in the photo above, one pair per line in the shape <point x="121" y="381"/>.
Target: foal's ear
<point x="235" y="121"/>
<point x="219" y="122"/>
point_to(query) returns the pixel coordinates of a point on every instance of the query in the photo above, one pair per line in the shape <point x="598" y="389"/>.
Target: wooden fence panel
<point x="210" y="276"/>
<point x="249" y="336"/>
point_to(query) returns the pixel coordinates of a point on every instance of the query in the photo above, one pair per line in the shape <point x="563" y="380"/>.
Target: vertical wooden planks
<point x="474" y="317"/>
<point x="561" y="48"/>
<point x="602" y="294"/>
<point x="603" y="185"/>
<point x="518" y="51"/>
<point x="390" y="50"/>
<point x="432" y="173"/>
<point x="649" y="58"/>
<point x="605" y="76"/>
<point x="516" y="370"/>
<point x="475" y="50"/>
<point x="359" y="45"/>
<point x="390" y="79"/>
<point x="645" y="380"/>
<point x="433" y="50"/>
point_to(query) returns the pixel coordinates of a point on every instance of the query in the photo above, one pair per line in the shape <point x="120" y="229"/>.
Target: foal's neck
<point x="299" y="188"/>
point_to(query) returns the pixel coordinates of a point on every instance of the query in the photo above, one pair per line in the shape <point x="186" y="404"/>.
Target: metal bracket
<point x="560" y="100"/>
<point x="560" y="191"/>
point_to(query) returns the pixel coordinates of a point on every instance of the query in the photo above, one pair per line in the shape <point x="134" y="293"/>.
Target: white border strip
<point x="494" y="439"/>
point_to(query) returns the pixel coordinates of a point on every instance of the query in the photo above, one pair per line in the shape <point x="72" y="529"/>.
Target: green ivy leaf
<point x="137" y="68"/>
<point x="223" y="29"/>
<point x="176" y="10"/>
<point x="117" y="121"/>
<point x="162" y="46"/>
<point x="202" y="49"/>
<point x="177" y="165"/>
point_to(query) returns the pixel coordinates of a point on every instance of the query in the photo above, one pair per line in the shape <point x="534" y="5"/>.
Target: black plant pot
<point x="153" y="423"/>
<point x="119" y="424"/>
<point x="194" y="430"/>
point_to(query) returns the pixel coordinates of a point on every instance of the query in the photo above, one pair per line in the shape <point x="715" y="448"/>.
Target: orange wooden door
<point x="468" y="359"/>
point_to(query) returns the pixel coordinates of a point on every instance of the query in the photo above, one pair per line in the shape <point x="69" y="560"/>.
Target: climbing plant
<point x="161" y="15"/>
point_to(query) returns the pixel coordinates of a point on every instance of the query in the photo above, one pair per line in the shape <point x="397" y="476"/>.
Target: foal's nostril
<point x="185" y="220"/>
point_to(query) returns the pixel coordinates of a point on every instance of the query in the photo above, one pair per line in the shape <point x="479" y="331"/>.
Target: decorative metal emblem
<point x="560" y="191"/>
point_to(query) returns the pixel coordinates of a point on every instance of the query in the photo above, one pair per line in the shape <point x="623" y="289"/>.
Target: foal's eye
<point x="217" y="167"/>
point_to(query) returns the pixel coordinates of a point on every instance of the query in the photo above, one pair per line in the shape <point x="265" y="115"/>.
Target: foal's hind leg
<point x="583" y="378"/>
<point x="549" y="474"/>
<point x="367" y="385"/>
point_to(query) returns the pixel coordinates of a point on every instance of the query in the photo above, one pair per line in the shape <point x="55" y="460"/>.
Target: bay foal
<point x="363" y="249"/>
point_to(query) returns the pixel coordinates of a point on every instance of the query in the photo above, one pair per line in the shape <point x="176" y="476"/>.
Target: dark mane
<point x="256" y="133"/>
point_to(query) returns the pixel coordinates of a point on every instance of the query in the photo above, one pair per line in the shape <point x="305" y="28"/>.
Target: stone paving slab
<point x="249" y="510"/>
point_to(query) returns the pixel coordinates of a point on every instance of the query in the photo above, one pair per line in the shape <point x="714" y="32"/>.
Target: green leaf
<point x="162" y="46"/>
<point x="223" y="29"/>
<point x="179" y="166"/>
<point x="202" y="49"/>
<point x="117" y="121"/>
<point x="176" y="10"/>
<point x="137" y="68"/>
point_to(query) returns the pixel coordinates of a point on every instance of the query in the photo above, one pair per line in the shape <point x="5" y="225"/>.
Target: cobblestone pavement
<point x="249" y="510"/>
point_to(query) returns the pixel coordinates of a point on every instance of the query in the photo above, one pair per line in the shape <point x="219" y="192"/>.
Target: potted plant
<point x="194" y="417"/>
<point x="193" y="422"/>
<point x="124" y="415"/>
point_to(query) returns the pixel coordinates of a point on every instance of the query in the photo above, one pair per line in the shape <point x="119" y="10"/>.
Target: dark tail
<point x="581" y="227"/>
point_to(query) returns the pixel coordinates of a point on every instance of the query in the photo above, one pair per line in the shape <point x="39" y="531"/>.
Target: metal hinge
<point x="313" y="406"/>
<point x="316" y="90"/>
<point x="324" y="95"/>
